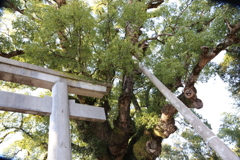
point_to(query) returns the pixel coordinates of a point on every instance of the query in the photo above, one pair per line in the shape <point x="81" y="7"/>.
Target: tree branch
<point x="60" y="2"/>
<point x="135" y="103"/>
<point x="154" y="4"/>
<point x="14" y="7"/>
<point x="11" y="54"/>
<point x="208" y="55"/>
<point x="162" y="34"/>
<point x="181" y="13"/>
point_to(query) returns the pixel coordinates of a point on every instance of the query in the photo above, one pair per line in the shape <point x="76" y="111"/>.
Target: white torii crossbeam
<point x="43" y="106"/>
<point x="58" y="106"/>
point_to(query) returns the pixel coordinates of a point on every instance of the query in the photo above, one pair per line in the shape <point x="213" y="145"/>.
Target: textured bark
<point x="166" y="125"/>
<point x="118" y="143"/>
<point x="60" y="2"/>
<point x="154" y="3"/>
<point x="154" y="147"/>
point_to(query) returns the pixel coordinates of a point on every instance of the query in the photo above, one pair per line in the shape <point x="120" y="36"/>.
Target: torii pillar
<point x="59" y="128"/>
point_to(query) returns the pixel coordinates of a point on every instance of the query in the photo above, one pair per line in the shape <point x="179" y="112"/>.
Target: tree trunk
<point x="122" y="131"/>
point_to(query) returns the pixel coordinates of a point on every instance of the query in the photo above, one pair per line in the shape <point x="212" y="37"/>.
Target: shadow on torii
<point x="58" y="107"/>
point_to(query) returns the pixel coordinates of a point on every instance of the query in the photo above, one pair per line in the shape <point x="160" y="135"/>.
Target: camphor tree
<point x="103" y="40"/>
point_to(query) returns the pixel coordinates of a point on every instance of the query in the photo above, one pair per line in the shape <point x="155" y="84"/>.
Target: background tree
<point x="102" y="40"/>
<point x="229" y="71"/>
<point x="230" y="130"/>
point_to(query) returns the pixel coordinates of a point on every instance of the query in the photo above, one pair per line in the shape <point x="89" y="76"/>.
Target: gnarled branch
<point x="207" y="54"/>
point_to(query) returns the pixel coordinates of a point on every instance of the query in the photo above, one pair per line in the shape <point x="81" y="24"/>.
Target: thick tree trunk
<point x="122" y="131"/>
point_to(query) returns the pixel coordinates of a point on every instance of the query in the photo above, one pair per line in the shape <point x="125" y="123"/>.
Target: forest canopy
<point x="105" y="40"/>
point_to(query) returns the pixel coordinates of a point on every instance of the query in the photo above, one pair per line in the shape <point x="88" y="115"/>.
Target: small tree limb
<point x="11" y="54"/>
<point x="14" y="7"/>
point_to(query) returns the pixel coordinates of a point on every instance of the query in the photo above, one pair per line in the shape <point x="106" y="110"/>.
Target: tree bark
<point x="60" y="2"/>
<point x="122" y="131"/>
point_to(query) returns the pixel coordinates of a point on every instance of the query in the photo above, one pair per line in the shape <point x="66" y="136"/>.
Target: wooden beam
<point x="43" y="106"/>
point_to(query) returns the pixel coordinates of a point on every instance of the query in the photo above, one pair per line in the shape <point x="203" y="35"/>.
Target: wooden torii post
<point x="58" y="107"/>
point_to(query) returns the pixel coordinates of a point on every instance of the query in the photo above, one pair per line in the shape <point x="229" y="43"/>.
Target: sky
<point x="216" y="100"/>
<point x="215" y="97"/>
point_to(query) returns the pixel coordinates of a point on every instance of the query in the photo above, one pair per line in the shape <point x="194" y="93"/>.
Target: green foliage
<point x="13" y="87"/>
<point x="173" y="153"/>
<point x="230" y="130"/>
<point x="31" y="135"/>
<point x="42" y="42"/>
<point x="84" y="137"/>
<point x="149" y="120"/>
<point x="133" y="13"/>
<point x="229" y="71"/>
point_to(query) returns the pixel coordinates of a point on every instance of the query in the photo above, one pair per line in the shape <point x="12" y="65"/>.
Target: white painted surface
<point x="25" y="104"/>
<point x="43" y="106"/>
<point x="86" y="112"/>
<point x="59" y="145"/>
<point x="23" y="73"/>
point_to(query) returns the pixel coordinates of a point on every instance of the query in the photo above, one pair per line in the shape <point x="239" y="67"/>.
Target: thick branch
<point x="11" y="54"/>
<point x="14" y="7"/>
<point x="166" y="125"/>
<point x="60" y="2"/>
<point x="154" y="4"/>
<point x="135" y="103"/>
<point x="124" y="102"/>
<point x="208" y="55"/>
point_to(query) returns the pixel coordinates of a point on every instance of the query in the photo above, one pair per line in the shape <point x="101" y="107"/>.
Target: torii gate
<point x="58" y="106"/>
